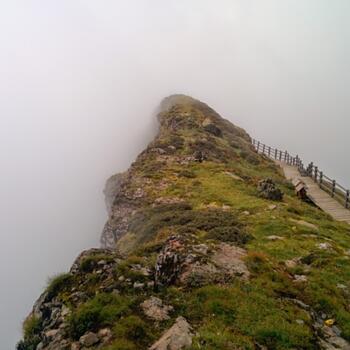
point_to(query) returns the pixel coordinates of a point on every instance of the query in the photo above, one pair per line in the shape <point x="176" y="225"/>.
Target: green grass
<point x="102" y="310"/>
<point x="58" y="284"/>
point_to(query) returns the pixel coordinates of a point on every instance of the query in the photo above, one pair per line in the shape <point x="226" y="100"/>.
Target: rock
<point x="272" y="207"/>
<point x="304" y="223"/>
<point x="201" y="249"/>
<point x="234" y="176"/>
<point x="324" y="246"/>
<point x="169" y="261"/>
<point x="213" y="129"/>
<point x="267" y="189"/>
<point x="105" y="332"/>
<point x="179" y="336"/>
<point x="89" y="339"/>
<point x="150" y="284"/>
<point x="75" y="346"/>
<point x="301" y="322"/>
<point x="292" y="263"/>
<point x="246" y="212"/>
<point x="138" y="285"/>
<point x="155" y="309"/>
<point x="199" y="156"/>
<point x="300" y="278"/>
<point x="40" y="346"/>
<point x="230" y="259"/>
<point x="51" y="333"/>
<point x="65" y="311"/>
<point x="275" y="238"/>
<point x="342" y="286"/>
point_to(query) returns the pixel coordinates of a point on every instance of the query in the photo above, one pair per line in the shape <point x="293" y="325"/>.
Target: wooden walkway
<point x="321" y="198"/>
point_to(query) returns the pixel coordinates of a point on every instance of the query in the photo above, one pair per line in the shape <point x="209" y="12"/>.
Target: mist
<point x="80" y="82"/>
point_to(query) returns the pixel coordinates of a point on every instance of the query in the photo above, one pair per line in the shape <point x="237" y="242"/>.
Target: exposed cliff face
<point x="200" y="253"/>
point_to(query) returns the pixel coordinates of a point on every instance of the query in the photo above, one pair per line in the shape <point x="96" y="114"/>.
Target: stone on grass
<point x="304" y="223"/>
<point x="268" y="190"/>
<point x="89" y="339"/>
<point x="275" y="238"/>
<point x="155" y="309"/>
<point x="178" y="337"/>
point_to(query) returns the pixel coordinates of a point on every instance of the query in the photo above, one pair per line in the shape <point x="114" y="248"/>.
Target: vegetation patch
<point x="58" y="284"/>
<point x="102" y="310"/>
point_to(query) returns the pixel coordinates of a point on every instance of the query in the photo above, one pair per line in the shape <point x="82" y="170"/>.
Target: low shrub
<point x="231" y="234"/>
<point x="58" y="284"/>
<point x="103" y="310"/>
<point x="31" y="331"/>
<point x="133" y="328"/>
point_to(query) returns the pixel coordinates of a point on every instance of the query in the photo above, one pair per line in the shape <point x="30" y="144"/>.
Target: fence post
<point x="276" y="153"/>
<point x="269" y="151"/>
<point x="321" y="178"/>
<point x="280" y="155"/>
<point x="333" y="187"/>
<point x="310" y="168"/>
<point x="316" y="171"/>
<point x="258" y="147"/>
<point x="285" y="156"/>
<point x="347" y="200"/>
<point x="264" y="149"/>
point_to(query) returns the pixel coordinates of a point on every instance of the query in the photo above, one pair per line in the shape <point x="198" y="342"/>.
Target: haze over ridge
<point x="80" y="83"/>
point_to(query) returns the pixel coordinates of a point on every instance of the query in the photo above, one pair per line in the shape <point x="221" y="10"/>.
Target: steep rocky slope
<point x="202" y="250"/>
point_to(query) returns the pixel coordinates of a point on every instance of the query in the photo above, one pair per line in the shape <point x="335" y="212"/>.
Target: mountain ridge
<point x="206" y="247"/>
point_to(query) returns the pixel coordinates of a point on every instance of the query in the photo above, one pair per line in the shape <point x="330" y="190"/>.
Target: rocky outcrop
<point x="268" y="190"/>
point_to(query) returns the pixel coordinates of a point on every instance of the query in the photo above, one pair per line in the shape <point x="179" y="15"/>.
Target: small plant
<point x="58" y="283"/>
<point x="232" y="234"/>
<point x="257" y="262"/>
<point x="31" y="331"/>
<point x="133" y="328"/>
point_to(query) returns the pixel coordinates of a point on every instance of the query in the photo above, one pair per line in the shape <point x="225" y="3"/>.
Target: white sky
<point x="80" y="81"/>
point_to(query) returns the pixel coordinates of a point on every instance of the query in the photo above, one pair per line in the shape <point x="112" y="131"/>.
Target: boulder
<point x="179" y="336"/>
<point x="230" y="259"/>
<point x="268" y="190"/>
<point x="89" y="339"/>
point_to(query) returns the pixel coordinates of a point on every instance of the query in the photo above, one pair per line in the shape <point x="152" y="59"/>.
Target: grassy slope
<point x="238" y="314"/>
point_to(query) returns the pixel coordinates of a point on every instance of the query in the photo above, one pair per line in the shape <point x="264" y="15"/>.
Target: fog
<point x="80" y="81"/>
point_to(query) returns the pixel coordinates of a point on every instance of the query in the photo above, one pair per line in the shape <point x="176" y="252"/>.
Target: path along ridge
<point x="321" y="198"/>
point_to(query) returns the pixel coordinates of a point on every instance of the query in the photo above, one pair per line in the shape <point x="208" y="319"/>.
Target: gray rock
<point x="138" y="285"/>
<point x="274" y="238"/>
<point x="179" y="336"/>
<point x="155" y="309"/>
<point x="268" y="190"/>
<point x="89" y="339"/>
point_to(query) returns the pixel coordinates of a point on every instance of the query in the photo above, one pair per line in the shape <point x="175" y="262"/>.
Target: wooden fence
<point x="331" y="186"/>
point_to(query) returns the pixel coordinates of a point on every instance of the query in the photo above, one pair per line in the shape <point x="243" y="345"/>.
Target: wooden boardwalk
<point x="321" y="198"/>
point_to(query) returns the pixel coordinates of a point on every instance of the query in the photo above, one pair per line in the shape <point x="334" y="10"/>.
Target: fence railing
<point x="331" y="186"/>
